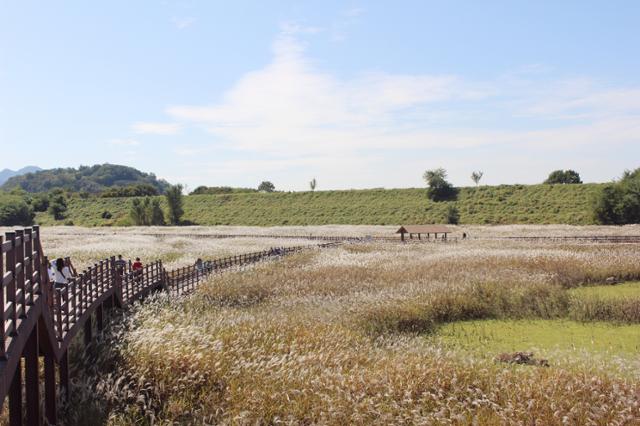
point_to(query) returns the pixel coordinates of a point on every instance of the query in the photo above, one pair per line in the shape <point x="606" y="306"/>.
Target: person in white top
<point x="61" y="274"/>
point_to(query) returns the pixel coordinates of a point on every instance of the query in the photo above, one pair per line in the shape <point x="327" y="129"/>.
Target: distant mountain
<point x="6" y="174"/>
<point x="92" y="179"/>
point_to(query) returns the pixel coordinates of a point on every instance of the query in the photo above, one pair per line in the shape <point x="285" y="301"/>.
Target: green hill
<point x="92" y="179"/>
<point x="504" y="204"/>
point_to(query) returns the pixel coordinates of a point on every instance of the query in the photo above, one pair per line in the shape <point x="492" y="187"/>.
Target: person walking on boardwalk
<point x="121" y="265"/>
<point x="136" y="270"/>
<point x="61" y="274"/>
<point x="199" y="266"/>
<point x="137" y="265"/>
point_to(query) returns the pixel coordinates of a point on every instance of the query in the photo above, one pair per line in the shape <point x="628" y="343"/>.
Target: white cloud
<point x="156" y="128"/>
<point x="292" y="115"/>
<point x="124" y="142"/>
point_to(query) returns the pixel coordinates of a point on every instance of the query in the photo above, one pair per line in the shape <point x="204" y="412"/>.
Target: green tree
<point x="138" y="213"/>
<point x="439" y="189"/>
<point x="563" y="177"/>
<point x="157" y="215"/>
<point x="58" y="205"/>
<point x="266" y="186"/>
<point x="175" y="202"/>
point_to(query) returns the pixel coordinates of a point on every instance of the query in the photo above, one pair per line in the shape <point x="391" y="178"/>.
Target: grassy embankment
<point x="505" y="204"/>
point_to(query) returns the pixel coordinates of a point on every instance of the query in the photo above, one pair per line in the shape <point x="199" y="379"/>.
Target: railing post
<point x="58" y="313"/>
<point x="3" y="354"/>
<point x="28" y="270"/>
<point x="15" y="396"/>
<point x="50" y="387"/>
<point x="87" y="331"/>
<point x="11" y="287"/>
<point x="20" y="276"/>
<point x="99" y="318"/>
<point x="32" y="386"/>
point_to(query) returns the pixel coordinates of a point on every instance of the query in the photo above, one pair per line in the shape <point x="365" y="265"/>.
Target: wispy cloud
<point x="184" y="22"/>
<point x="142" y="127"/>
<point x="354" y="12"/>
<point x="291" y="28"/>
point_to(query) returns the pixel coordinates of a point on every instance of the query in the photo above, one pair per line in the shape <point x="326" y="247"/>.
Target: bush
<point x="215" y="190"/>
<point x="563" y="177"/>
<point x="141" y="190"/>
<point x="106" y="214"/>
<point x="40" y="203"/>
<point x="58" y="206"/>
<point x="266" y="186"/>
<point x="15" y="211"/>
<point x="619" y="203"/>
<point x="453" y="215"/>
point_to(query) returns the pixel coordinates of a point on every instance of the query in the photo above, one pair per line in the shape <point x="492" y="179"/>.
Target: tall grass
<point x="336" y="337"/>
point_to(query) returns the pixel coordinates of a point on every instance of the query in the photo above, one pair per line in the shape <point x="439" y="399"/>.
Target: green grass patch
<point x="541" y="337"/>
<point x="630" y="290"/>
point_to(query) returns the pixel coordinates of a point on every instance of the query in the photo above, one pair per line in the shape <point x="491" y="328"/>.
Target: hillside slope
<point x="92" y="179"/>
<point x="505" y="204"/>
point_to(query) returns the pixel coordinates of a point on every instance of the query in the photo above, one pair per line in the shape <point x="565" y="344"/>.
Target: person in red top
<point x="137" y="265"/>
<point x="136" y="270"/>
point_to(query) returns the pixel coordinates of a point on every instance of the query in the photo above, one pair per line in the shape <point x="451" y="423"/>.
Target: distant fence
<point x="614" y="239"/>
<point x="381" y="238"/>
<point x="39" y="322"/>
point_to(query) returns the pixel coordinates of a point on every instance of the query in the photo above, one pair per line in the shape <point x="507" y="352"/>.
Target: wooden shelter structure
<point x="423" y="230"/>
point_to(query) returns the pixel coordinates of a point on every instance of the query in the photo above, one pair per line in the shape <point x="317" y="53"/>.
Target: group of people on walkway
<point x="61" y="271"/>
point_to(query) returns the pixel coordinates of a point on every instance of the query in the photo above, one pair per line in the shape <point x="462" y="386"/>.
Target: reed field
<point x="371" y="333"/>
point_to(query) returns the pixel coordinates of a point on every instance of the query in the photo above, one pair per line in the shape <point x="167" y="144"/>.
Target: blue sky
<point x="355" y="94"/>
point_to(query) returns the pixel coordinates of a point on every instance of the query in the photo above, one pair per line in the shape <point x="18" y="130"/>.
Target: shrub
<point x="40" y="203"/>
<point x="140" y="190"/>
<point x="266" y="186"/>
<point x="619" y="203"/>
<point x="563" y="177"/>
<point x="453" y="215"/>
<point x="106" y="214"/>
<point x="58" y="206"/>
<point x="15" y="211"/>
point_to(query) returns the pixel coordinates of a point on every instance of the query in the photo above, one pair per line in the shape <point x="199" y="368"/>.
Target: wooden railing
<point x="40" y="321"/>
